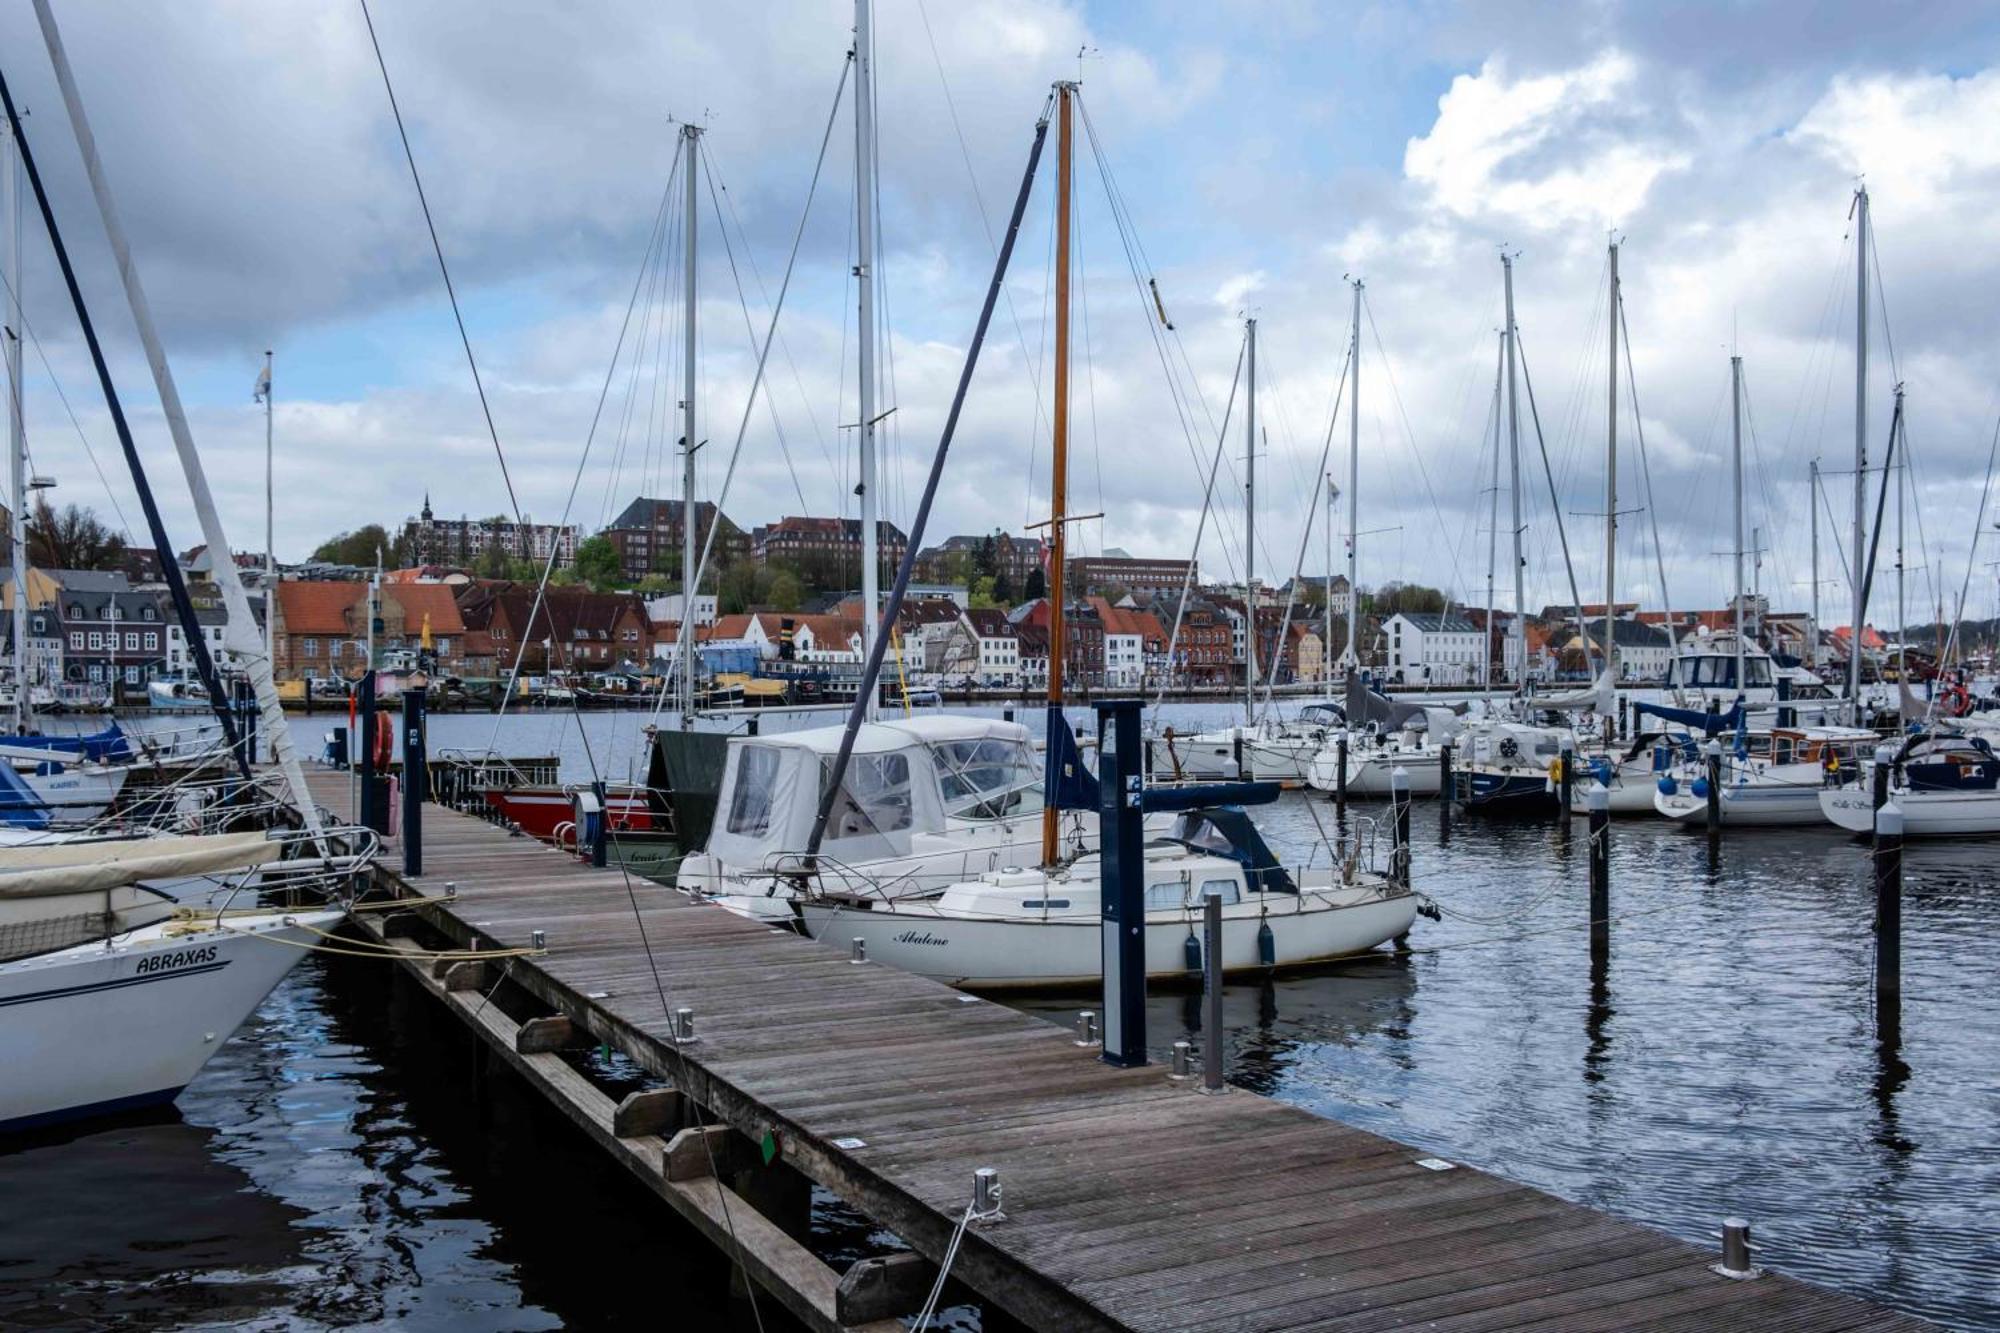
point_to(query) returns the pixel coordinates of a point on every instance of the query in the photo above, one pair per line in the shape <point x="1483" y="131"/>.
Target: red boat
<point x="540" y="810"/>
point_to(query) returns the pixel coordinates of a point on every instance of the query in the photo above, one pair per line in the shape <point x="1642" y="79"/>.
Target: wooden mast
<point x="1059" y="481"/>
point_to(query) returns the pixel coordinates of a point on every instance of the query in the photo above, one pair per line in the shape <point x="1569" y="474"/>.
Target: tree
<point x="362" y="547"/>
<point x="1003" y="589"/>
<point x="598" y="563"/>
<point x="1036" y="587"/>
<point x="72" y="539"/>
<point x="985" y="557"/>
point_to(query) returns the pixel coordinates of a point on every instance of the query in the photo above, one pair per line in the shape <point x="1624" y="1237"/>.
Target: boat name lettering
<point x="912" y="937"/>
<point x="167" y="962"/>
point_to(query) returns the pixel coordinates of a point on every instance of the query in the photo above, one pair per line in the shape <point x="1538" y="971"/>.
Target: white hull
<point x="1211" y="755"/>
<point x="1059" y="952"/>
<point x="77" y="794"/>
<point x="1935" y="814"/>
<point x="1369" y="772"/>
<point x="98" y="1029"/>
<point x="1774" y="804"/>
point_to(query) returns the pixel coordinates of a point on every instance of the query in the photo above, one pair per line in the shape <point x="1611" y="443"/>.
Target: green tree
<point x="362" y="547"/>
<point x="597" y="563"/>
<point x="1036" y="587"/>
<point x="785" y="592"/>
<point x="982" y="592"/>
<point x="1003" y="589"/>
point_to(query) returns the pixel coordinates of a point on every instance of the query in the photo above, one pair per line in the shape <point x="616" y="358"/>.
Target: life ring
<point x="1957" y="701"/>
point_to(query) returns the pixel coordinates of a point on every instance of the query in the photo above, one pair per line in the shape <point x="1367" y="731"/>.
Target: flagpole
<point x="270" y="544"/>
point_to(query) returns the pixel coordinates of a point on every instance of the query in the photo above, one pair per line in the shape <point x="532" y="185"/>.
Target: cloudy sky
<point x="1259" y="152"/>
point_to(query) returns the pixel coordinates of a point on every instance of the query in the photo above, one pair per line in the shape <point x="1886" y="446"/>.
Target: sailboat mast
<point x="1514" y="452"/>
<point x="1902" y="612"/>
<point x="1354" y="485"/>
<point x="1860" y="440"/>
<point x="691" y="149"/>
<point x="1059" y="445"/>
<point x="1493" y="515"/>
<point x="270" y="529"/>
<point x="1812" y="630"/>
<point x="1326" y="658"/>
<point x="1611" y="492"/>
<point x="17" y="447"/>
<point x="1736" y="497"/>
<point x="1250" y="533"/>
<point x="864" y="361"/>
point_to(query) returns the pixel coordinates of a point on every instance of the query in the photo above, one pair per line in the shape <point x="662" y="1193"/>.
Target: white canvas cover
<point x="771" y="787"/>
<point x="91" y="867"/>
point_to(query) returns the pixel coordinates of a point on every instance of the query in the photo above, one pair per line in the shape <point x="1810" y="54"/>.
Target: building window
<point x="131" y="675"/>
<point x="96" y="639"/>
<point x="152" y="640"/>
<point x="150" y="613"/>
<point x="96" y="671"/>
<point x="131" y="641"/>
<point x="76" y="641"/>
<point x="312" y="648"/>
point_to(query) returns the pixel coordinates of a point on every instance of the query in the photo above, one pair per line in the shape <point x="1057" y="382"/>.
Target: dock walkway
<point x="1132" y="1201"/>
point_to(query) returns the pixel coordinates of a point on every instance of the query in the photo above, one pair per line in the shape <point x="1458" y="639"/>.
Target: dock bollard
<point x="1599" y="800"/>
<point x="538" y="941"/>
<point x="1399" y="805"/>
<point x="1211" y="980"/>
<point x="1713" y="753"/>
<point x="1183" y="1060"/>
<point x="1340" y="779"/>
<point x="986" y="1194"/>
<point x="1086" y="1028"/>
<point x="1888" y="858"/>
<point x="450" y="889"/>
<point x="858" y="951"/>
<point x="683" y="1026"/>
<point x="1736" y="1251"/>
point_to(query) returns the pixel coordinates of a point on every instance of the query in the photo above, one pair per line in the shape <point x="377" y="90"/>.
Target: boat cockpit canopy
<point x="1226" y="831"/>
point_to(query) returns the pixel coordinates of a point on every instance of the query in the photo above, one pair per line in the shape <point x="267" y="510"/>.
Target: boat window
<point x="1168" y="897"/>
<point x="750" y="802"/>
<point x="1046" y="904"/>
<point x="1757" y="670"/>
<point x="874" y="798"/>
<point x="988" y="778"/>
<point x="1226" y="889"/>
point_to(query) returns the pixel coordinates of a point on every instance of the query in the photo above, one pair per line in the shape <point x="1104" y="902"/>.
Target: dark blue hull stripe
<point x="114" y="1106"/>
<point x="117" y="983"/>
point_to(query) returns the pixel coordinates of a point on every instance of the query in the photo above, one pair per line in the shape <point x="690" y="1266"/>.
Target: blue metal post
<point x="416" y="779"/>
<point x="364" y="753"/>
<point x="600" y="832"/>
<point x="1121" y="829"/>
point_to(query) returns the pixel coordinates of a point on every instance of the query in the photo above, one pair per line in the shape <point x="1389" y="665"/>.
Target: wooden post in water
<point x="1340" y="781"/>
<point x="1599" y="800"/>
<point x="1713" y="751"/>
<point x="1888" y="864"/>
<point x="1445" y="781"/>
<point x="1885" y="767"/>
<point x="1565" y="787"/>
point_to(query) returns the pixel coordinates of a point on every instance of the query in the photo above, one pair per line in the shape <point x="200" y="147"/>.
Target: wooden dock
<point x="1132" y="1201"/>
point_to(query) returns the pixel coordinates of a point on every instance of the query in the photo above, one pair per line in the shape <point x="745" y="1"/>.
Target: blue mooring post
<point x="416" y="779"/>
<point x="601" y="831"/>
<point x="1122" y="832"/>
<point x="1888" y="867"/>
<point x="363" y="753"/>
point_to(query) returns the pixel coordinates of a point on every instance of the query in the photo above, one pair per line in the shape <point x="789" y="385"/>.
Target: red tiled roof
<point x="317" y="608"/>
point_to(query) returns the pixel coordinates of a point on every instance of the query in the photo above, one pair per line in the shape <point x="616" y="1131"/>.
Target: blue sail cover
<point x="1709" y="724"/>
<point x="1066" y="783"/>
<point x="108" y="746"/>
<point x="19" y="806"/>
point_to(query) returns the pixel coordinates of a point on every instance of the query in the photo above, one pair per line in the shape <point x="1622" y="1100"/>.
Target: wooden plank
<point x="554" y="1033"/>
<point x="649" y="1112"/>
<point x="890" y="1286"/>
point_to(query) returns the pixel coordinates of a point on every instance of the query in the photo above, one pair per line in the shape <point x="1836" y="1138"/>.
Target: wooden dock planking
<point x="1133" y="1201"/>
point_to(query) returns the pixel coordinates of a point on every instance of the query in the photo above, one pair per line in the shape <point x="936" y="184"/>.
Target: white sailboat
<point x="1779" y="782"/>
<point x="1945" y="785"/>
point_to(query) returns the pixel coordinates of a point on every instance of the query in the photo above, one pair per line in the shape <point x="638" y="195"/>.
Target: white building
<point x="1434" y="648"/>
<point x="999" y="645"/>
<point x="668" y="608"/>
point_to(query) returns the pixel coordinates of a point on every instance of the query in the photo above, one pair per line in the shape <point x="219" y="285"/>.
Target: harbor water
<point x="347" y="1160"/>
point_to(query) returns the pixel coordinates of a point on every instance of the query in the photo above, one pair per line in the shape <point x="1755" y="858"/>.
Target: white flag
<point x="263" y="386"/>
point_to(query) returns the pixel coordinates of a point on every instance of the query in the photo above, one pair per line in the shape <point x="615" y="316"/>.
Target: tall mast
<point x="1812" y="629"/>
<point x="1860" y="441"/>
<point x="1326" y="658"/>
<point x="17" y="447"/>
<point x="1611" y="492"/>
<point x="1250" y="533"/>
<point x="1736" y="495"/>
<point x="864" y="273"/>
<point x="691" y="150"/>
<point x="1514" y="452"/>
<point x="1902" y="613"/>
<point x="1354" y="484"/>
<point x="1493" y="515"/>
<point x="270" y="529"/>
<point x="1059" y="449"/>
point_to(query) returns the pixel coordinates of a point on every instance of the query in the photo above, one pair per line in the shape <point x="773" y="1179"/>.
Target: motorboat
<point x="177" y="694"/>
<point x="928" y="801"/>
<point x="1778" y="783"/>
<point x="1945" y="785"/>
<point x="1014" y="928"/>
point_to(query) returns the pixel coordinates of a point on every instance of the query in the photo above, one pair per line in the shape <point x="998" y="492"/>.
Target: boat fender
<point x="1556" y="771"/>
<point x="1267" y="945"/>
<point x="1667" y="785"/>
<point x="1699" y="789"/>
<point x="1191" y="954"/>
<point x="1428" y="909"/>
<point x="1600" y="768"/>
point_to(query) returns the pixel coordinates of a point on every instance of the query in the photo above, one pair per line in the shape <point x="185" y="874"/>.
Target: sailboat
<point x="1945" y="784"/>
<point x="1042" y="926"/>
<point x="127" y="1014"/>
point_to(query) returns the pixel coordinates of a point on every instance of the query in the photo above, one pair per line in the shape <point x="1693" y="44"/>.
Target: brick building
<point x="647" y="536"/>
<point x="322" y="627"/>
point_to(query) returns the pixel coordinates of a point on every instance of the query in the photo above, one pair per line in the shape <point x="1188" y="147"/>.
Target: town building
<point x="1644" y="651"/>
<point x="462" y="541"/>
<point x="566" y="629"/>
<point x="999" y="645"/>
<point x="1119" y="573"/>
<point x="793" y="637"/>
<point x="43" y="661"/>
<point x="957" y="558"/>
<point x="668" y="608"/>
<point x="213" y="619"/>
<point x="647" y="536"/>
<point x="828" y="548"/>
<point x="1434" y="648"/>
<point x="114" y="634"/>
<point x="1133" y="640"/>
<point x="322" y="629"/>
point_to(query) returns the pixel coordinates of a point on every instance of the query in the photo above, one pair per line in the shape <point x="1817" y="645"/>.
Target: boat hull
<point x="1064" y="953"/>
<point x="540" y="811"/>
<point x="1926" y="814"/>
<point x="1370" y="773"/>
<point x="1746" y="805"/>
<point x="91" y="1030"/>
<point x="1505" y="791"/>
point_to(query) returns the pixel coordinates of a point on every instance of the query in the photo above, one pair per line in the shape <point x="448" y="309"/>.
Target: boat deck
<point x="1132" y="1201"/>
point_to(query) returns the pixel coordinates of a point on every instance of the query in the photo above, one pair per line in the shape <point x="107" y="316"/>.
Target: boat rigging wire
<point x="437" y="248"/>
<point x="1201" y="524"/>
<point x="1555" y="505"/>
